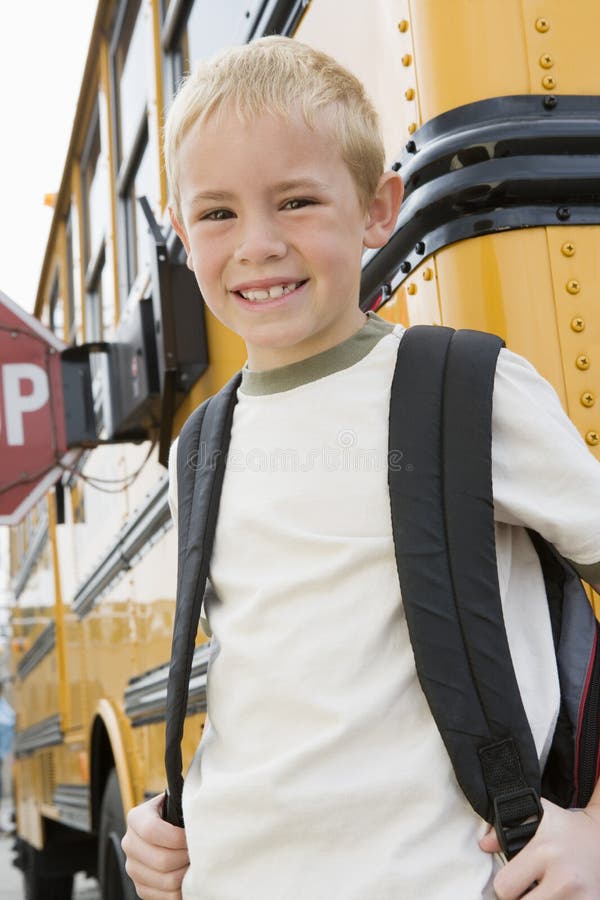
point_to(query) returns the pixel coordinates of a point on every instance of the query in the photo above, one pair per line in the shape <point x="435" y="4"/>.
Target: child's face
<point x="274" y="231"/>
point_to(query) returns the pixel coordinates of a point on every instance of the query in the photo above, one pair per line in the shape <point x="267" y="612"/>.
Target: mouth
<point x="266" y="294"/>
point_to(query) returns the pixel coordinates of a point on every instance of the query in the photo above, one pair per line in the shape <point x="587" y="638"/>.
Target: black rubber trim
<point x="495" y="165"/>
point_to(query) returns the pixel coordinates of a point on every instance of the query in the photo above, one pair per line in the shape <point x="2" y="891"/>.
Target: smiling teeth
<point x="273" y="293"/>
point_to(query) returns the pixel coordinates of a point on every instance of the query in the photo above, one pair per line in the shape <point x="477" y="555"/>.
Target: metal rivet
<point x="542" y="25"/>
<point x="578" y="324"/>
<point x="546" y="61"/>
<point x="403" y="25"/>
<point x="587" y="399"/>
<point x="411" y="289"/>
<point x="396" y="166"/>
<point x="427" y="274"/>
<point x="568" y="248"/>
<point x="583" y="362"/>
<point x="407" y="59"/>
<point x="573" y="286"/>
<point x="550" y="102"/>
<point x="549" y="82"/>
<point x="420" y="247"/>
<point x="410" y="94"/>
<point x="412" y="127"/>
<point x="405" y="267"/>
<point x="593" y="438"/>
<point x="563" y="213"/>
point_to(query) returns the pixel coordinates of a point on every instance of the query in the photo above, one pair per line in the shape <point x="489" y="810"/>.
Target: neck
<point x="262" y="359"/>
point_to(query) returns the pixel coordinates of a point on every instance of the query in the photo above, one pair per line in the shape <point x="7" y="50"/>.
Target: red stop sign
<point x="32" y="429"/>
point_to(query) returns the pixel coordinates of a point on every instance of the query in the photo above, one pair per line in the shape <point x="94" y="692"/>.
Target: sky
<point x="43" y="47"/>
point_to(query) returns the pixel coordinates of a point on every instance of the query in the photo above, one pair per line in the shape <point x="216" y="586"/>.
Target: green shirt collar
<point x="342" y="356"/>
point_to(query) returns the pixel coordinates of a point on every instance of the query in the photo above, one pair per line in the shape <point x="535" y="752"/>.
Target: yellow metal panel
<point x="501" y="283"/>
<point x="49" y="811"/>
<point x="78" y="238"/>
<point x="59" y="621"/>
<point x="574" y="266"/>
<point x="562" y="45"/>
<point x="119" y="733"/>
<point x="37" y="694"/>
<point x="27" y="791"/>
<point x="471" y="50"/>
<point x="76" y="670"/>
<point x="156" y="103"/>
<point x="467" y="50"/>
<point x="417" y="301"/>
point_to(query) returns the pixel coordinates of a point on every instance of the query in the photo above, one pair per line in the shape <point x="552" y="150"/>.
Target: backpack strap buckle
<point x="517" y="815"/>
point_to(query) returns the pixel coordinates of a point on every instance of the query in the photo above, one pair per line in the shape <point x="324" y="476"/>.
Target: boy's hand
<point x="157" y="857"/>
<point x="562" y="860"/>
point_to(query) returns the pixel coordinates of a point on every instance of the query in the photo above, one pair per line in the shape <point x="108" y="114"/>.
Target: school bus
<point x="490" y="112"/>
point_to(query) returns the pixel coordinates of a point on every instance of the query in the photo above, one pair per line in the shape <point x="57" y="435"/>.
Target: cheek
<point x="205" y="261"/>
<point x="323" y="251"/>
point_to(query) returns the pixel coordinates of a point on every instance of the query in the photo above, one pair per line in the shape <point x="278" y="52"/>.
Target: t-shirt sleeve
<point x="544" y="475"/>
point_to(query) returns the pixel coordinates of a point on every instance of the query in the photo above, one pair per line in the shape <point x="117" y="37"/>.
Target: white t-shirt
<point x="321" y="773"/>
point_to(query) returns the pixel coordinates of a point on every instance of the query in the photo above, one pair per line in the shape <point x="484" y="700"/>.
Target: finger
<point x="519" y="877"/>
<point x="145" y="892"/>
<point x="490" y="843"/>
<point x="154" y="857"/>
<point x="145" y="820"/>
<point x="149" y="884"/>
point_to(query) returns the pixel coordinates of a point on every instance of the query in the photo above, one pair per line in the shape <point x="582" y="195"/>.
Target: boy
<point x="321" y="773"/>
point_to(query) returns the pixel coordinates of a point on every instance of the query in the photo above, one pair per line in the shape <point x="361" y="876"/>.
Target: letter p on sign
<point x="32" y="415"/>
<point x="18" y="401"/>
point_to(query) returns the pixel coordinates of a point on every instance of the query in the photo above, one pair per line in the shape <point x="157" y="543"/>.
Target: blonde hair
<point x="275" y="75"/>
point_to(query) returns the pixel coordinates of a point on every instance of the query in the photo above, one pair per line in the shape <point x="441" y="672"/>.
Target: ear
<point x="183" y="235"/>
<point x="383" y="210"/>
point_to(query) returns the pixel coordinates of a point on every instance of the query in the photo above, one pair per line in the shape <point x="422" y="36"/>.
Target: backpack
<point x="444" y="539"/>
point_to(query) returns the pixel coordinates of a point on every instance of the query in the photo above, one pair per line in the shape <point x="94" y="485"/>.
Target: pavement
<point x="11" y="879"/>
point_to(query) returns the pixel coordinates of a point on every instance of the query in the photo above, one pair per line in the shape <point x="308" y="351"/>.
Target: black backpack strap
<point x="201" y="459"/>
<point x="459" y="642"/>
<point x="510" y="762"/>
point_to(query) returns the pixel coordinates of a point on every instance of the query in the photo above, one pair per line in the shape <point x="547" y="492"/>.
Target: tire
<point x="38" y="885"/>
<point x="115" y="883"/>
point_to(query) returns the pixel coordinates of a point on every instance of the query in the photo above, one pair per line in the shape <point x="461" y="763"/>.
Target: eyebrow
<point x="292" y="184"/>
<point x="295" y="184"/>
<point x="211" y="195"/>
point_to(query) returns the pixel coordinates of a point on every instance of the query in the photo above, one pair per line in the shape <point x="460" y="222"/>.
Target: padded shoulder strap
<point x="201" y="458"/>
<point x="509" y="763"/>
<point x="442" y="517"/>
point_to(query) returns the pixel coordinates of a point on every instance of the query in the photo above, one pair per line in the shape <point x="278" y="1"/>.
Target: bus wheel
<point x="115" y="883"/>
<point x="38" y="884"/>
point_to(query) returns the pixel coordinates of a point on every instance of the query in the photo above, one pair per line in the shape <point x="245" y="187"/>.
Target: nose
<point x="259" y="241"/>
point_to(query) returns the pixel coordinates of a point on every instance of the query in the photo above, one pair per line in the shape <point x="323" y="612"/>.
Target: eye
<point x="298" y="203"/>
<point x="216" y="215"/>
